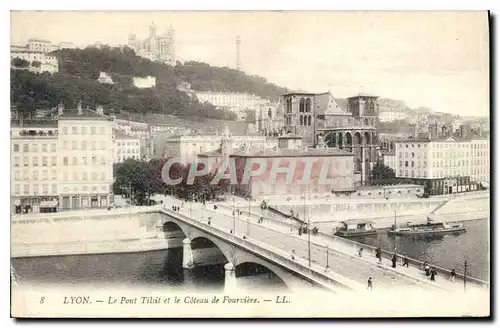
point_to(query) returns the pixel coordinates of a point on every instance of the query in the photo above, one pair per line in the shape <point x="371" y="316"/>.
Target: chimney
<point x="99" y="110"/>
<point x="79" y="107"/>
<point x="413" y="131"/>
<point x="60" y="109"/>
<point x="463" y="131"/>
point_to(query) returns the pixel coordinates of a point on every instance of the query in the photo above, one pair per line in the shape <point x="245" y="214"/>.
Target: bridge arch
<point x="217" y="254"/>
<point x="270" y="278"/>
<point x="171" y="229"/>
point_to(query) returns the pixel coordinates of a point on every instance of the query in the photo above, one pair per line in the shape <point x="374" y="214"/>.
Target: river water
<point x="165" y="267"/>
<point x="448" y="251"/>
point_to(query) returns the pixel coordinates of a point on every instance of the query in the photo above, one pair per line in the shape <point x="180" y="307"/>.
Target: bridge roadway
<point x="342" y="260"/>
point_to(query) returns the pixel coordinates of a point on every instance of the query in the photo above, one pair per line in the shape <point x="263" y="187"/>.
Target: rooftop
<point x="444" y="139"/>
<point x="33" y="123"/>
<point x="85" y="114"/>
<point x="356" y="221"/>
<point x="290" y="136"/>
<point x="299" y="93"/>
<point x="119" y="135"/>
<point x="38" y="40"/>
<point x="213" y="153"/>
<point x="25" y="50"/>
<point x="362" y="94"/>
<point x="322" y="152"/>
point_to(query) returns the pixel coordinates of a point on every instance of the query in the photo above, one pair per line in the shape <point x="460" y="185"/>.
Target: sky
<point x="438" y="60"/>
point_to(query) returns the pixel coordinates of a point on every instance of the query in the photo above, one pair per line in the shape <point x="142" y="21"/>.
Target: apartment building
<point x="62" y="164"/>
<point x="126" y="147"/>
<point x="448" y="164"/>
<point x="34" y="174"/>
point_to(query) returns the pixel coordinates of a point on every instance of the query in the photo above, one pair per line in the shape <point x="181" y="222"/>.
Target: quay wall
<point x="78" y="233"/>
<point x="94" y="232"/>
<point x="382" y="212"/>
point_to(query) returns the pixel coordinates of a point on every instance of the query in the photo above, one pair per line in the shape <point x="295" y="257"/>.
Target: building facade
<point x="448" y="165"/>
<point x="127" y="147"/>
<point x="34" y="166"/>
<point x="331" y="171"/>
<point x="389" y="159"/>
<point x="320" y="119"/>
<point x="62" y="164"/>
<point x="86" y="153"/>
<point x="39" y="61"/>
<point x="480" y="159"/>
<point x="392" y="114"/>
<point x="238" y="103"/>
<point x="156" y="47"/>
<point x="188" y="147"/>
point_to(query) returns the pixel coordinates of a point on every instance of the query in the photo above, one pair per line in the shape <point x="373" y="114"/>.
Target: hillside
<point x="79" y="70"/>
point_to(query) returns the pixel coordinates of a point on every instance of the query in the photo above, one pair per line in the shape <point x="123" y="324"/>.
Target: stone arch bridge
<point x="203" y="244"/>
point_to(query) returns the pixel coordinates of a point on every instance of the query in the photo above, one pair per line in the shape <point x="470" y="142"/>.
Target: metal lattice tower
<point x="238" y="63"/>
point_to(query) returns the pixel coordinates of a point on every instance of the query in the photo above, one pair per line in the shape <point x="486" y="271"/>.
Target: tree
<point x="19" y="62"/>
<point x="250" y="116"/>
<point x="80" y="68"/>
<point x="383" y="175"/>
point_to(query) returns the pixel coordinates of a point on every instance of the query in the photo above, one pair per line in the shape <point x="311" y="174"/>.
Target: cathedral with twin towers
<point x="157" y="47"/>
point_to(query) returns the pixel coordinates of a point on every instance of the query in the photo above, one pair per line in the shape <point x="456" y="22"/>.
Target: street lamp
<point x="234" y="213"/>
<point x="465" y="275"/>
<point x="249" y="212"/>
<point x="326" y="257"/>
<point x="394" y="230"/>
<point x="190" y="205"/>
<point x="308" y="231"/>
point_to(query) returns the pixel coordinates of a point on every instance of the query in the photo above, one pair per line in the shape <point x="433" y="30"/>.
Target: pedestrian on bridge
<point x="394" y="260"/>
<point x="293" y="254"/>
<point x="360" y="252"/>
<point x="378" y="254"/>
<point x="405" y="261"/>
<point x="433" y="274"/>
<point x="370" y="284"/>
<point x="427" y="269"/>
<point x="209" y="220"/>
<point x="453" y="275"/>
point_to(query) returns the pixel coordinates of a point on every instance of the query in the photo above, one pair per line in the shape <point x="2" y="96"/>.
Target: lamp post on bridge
<point x="308" y="232"/>
<point x="394" y="229"/>
<point x="234" y="213"/>
<point x="465" y="275"/>
<point x="326" y="257"/>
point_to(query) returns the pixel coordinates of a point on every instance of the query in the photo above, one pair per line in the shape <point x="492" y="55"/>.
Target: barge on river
<point x="355" y="228"/>
<point x="427" y="229"/>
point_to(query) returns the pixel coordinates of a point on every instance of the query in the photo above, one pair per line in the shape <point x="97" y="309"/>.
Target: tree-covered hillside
<point x="79" y="70"/>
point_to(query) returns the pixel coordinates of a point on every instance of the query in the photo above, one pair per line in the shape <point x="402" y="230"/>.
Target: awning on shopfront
<point x="485" y="184"/>
<point x="50" y="203"/>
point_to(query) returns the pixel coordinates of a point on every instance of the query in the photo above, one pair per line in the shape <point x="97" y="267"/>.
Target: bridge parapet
<point x="317" y="275"/>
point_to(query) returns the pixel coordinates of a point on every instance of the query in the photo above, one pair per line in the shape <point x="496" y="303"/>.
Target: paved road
<point x="341" y="258"/>
<point x="347" y="265"/>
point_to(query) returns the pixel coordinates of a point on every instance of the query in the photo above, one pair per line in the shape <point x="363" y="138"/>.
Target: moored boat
<point x="429" y="228"/>
<point x="355" y="227"/>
